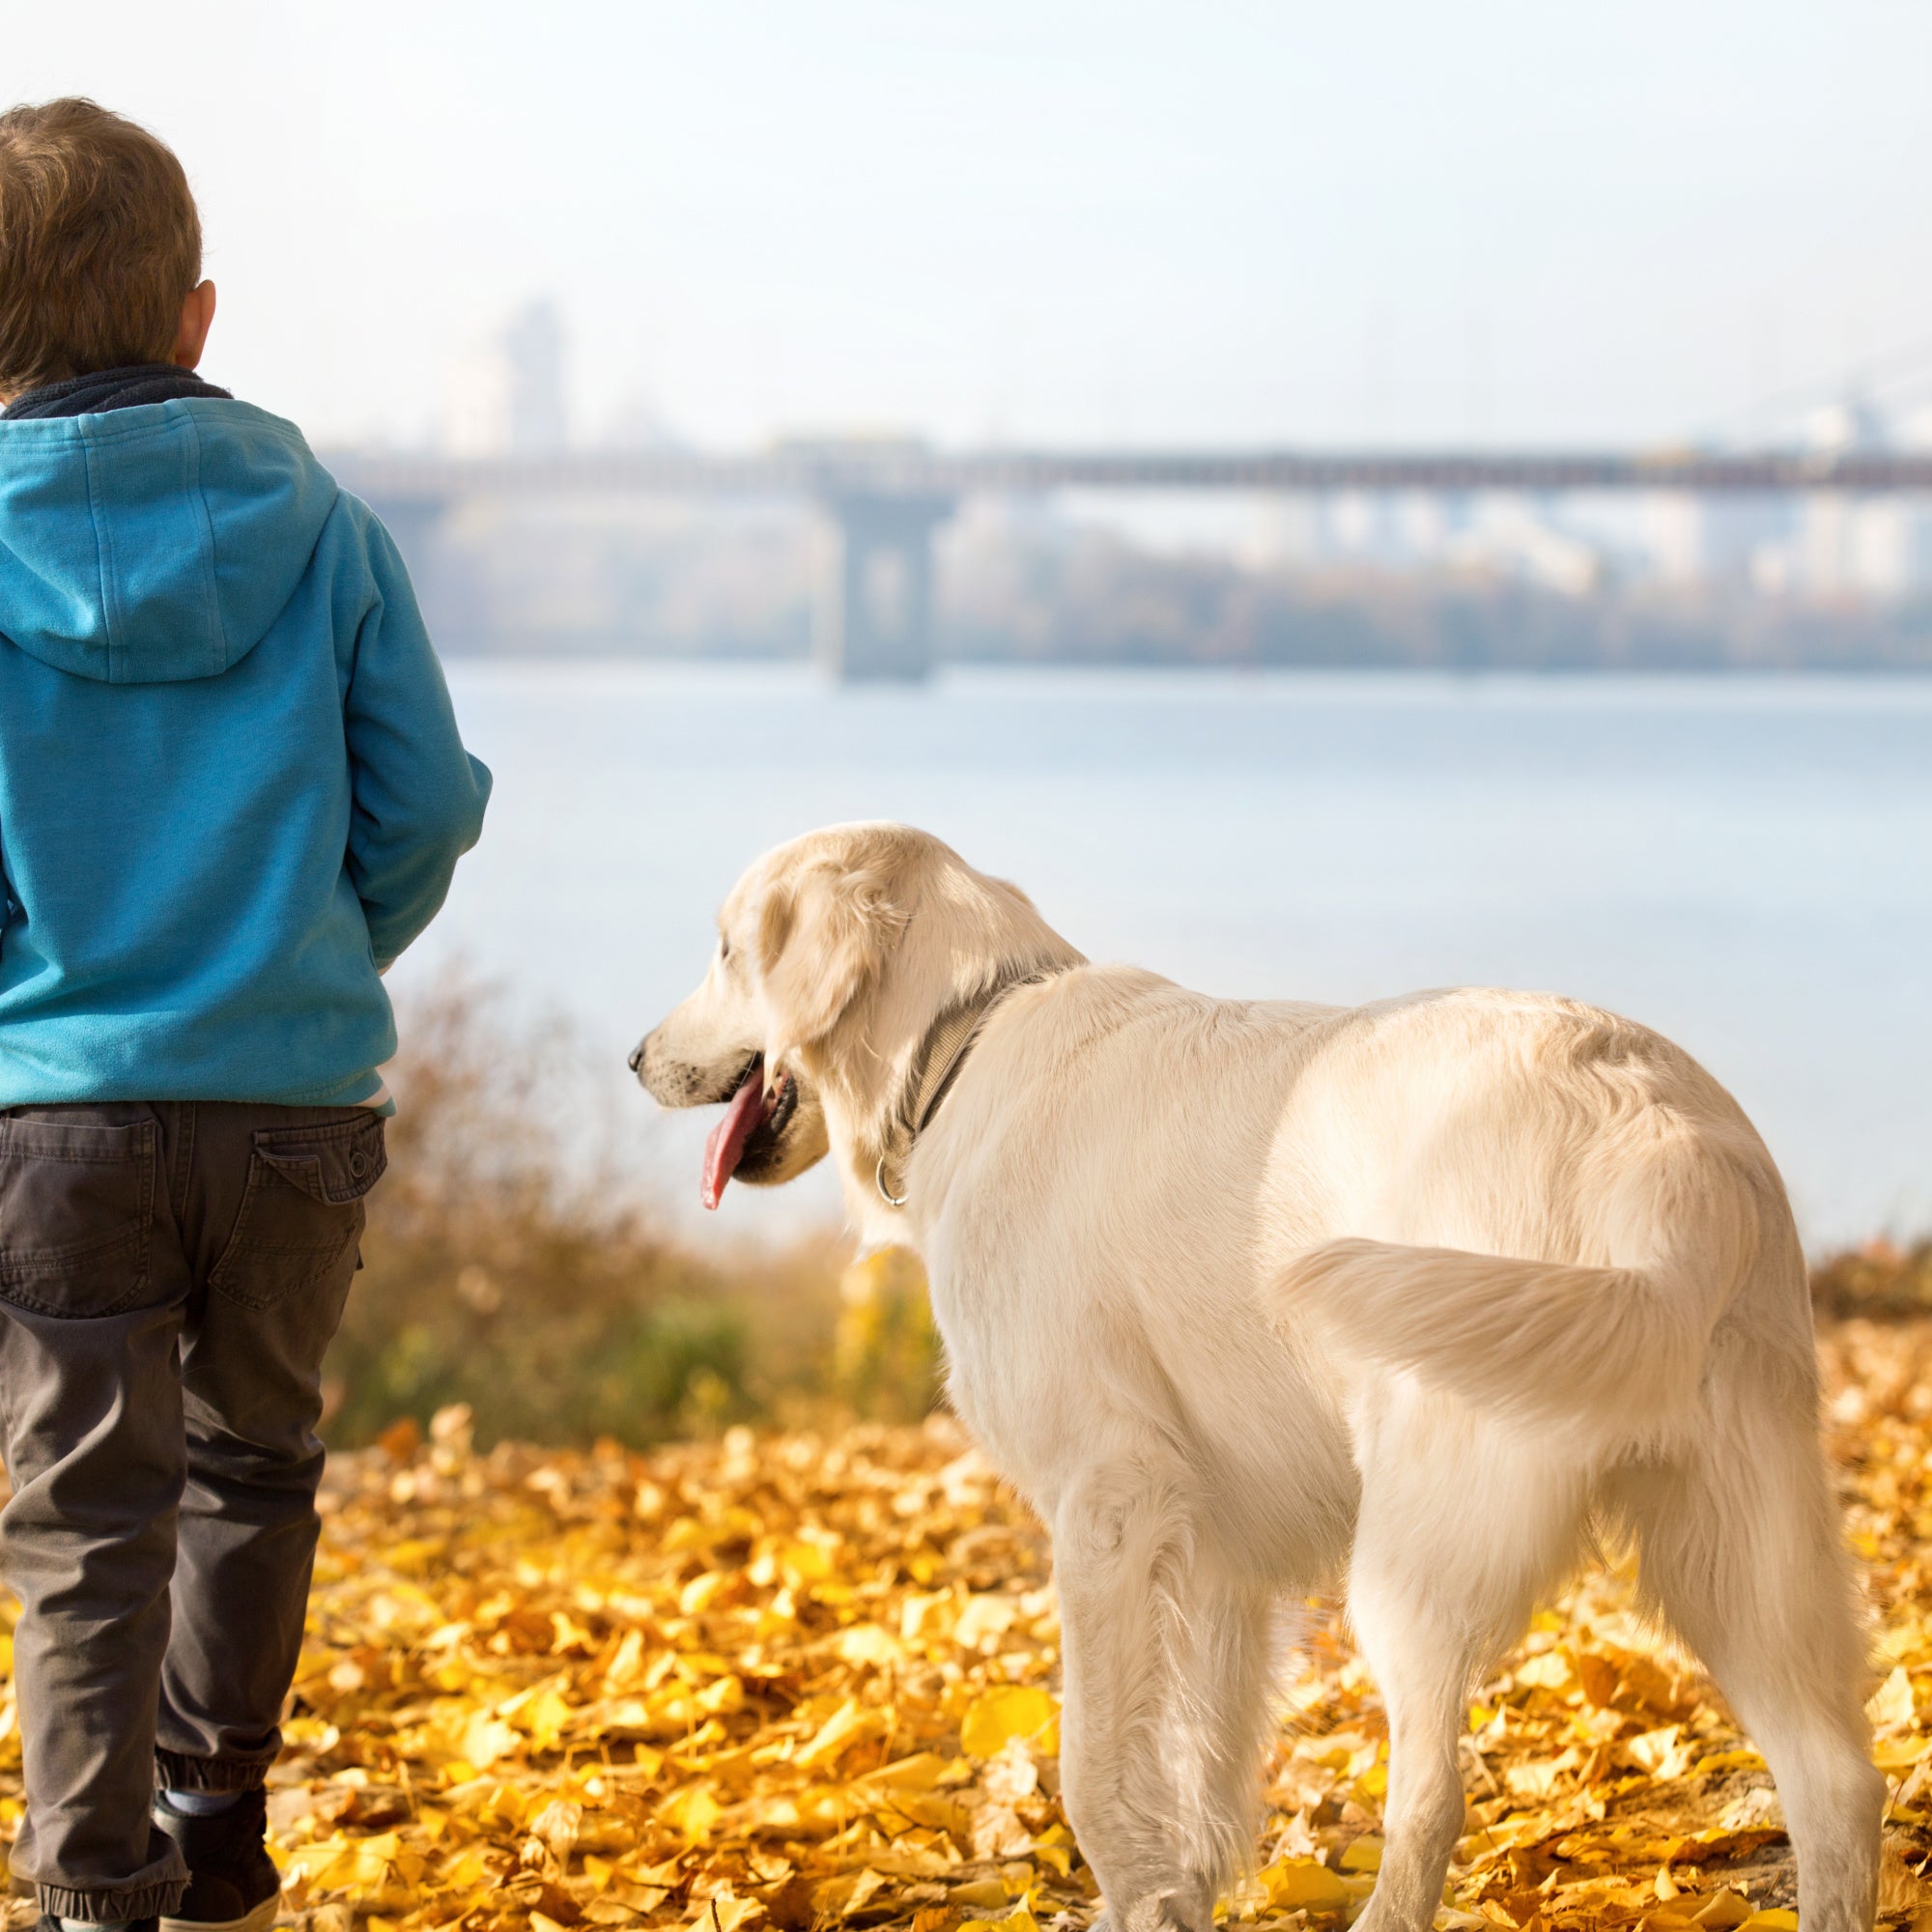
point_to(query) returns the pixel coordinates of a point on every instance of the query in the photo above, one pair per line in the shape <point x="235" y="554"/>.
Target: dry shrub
<point x="1880" y="1282"/>
<point x="885" y="1351"/>
<point x="509" y="1267"/>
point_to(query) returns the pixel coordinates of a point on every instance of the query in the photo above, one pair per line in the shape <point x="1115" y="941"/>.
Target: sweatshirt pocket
<point x="302" y="1211"/>
<point x="76" y="1216"/>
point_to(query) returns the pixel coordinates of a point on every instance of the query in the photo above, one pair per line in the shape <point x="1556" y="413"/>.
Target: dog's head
<point x="834" y="955"/>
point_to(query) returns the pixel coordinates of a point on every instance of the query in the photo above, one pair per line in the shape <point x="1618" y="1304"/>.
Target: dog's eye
<point x="723" y="946"/>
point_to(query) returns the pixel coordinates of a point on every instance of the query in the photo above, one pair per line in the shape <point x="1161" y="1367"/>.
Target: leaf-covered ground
<point x="810" y="1682"/>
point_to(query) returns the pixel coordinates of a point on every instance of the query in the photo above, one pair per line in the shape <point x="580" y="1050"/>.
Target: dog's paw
<point x="1188" y="1909"/>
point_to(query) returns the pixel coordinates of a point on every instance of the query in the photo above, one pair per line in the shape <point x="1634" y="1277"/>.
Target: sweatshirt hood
<point x="155" y="544"/>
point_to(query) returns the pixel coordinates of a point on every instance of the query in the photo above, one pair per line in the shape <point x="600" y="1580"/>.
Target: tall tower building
<point x="533" y="350"/>
<point x="506" y="396"/>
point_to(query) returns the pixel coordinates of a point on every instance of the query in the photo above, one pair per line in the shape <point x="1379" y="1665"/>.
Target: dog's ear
<point x="821" y="938"/>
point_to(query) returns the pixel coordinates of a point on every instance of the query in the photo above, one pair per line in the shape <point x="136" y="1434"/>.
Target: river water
<point x="1744" y="864"/>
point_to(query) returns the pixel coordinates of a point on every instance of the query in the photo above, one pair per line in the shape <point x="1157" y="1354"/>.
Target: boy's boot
<point x="233" y="1884"/>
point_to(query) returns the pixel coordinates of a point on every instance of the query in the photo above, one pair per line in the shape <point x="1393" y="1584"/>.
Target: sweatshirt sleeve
<point x="417" y="795"/>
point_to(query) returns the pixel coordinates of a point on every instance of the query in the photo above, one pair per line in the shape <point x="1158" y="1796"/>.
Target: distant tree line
<point x="689" y="582"/>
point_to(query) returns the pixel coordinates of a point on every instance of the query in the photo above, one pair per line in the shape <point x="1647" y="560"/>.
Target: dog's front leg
<point x="1166" y="1699"/>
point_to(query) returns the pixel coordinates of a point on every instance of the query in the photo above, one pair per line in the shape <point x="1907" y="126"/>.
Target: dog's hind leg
<point x="1740" y="1552"/>
<point x="1167" y="1678"/>
<point x="1462" y="1529"/>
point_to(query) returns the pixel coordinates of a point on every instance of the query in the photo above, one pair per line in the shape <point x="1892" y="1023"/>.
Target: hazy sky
<point x="1388" y="219"/>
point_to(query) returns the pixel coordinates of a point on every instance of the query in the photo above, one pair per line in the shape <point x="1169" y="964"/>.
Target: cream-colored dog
<point x="1245" y="1295"/>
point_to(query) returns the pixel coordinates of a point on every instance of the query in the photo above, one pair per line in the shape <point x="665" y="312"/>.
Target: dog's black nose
<point x="637" y="1060"/>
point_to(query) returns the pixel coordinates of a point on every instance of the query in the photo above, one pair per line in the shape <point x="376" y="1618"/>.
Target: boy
<point x="230" y="792"/>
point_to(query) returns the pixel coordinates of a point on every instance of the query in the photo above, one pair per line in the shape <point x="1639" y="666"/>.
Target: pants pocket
<point x="302" y="1211"/>
<point x="76" y="1216"/>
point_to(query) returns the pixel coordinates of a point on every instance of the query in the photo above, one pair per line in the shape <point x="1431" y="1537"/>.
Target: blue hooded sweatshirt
<point x="231" y="786"/>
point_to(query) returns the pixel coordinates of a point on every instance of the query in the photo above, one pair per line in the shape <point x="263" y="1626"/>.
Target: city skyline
<point x="1049" y="224"/>
<point x="1571" y="522"/>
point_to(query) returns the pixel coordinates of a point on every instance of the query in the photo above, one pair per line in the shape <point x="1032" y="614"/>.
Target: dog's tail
<point x="1601" y="1358"/>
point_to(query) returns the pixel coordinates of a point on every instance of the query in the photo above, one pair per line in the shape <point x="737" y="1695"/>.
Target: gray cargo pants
<point x="170" y="1275"/>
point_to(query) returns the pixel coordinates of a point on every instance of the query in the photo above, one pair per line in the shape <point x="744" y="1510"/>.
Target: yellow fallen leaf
<point x="870" y="1644"/>
<point x="1013" y="1711"/>
<point x="984" y="1617"/>
<point x="919" y="1773"/>
<point x="639" y="1897"/>
<point x="1055" y="1847"/>
<point x="702" y="1591"/>
<point x="804" y="1563"/>
<point x="546" y="1717"/>
<point x="980" y="1892"/>
<point x="1663" y="1752"/>
<point x="1896" y="1752"/>
<point x="1548" y="1671"/>
<point x="1021" y="1920"/>
<point x="845" y="1726"/>
<point x="1775" y="1919"/>
<point x="693" y="1811"/>
<point x="1891" y="1706"/>
<point x="486" y="1739"/>
<point x="1721" y="1911"/>
<point x="723" y="1912"/>
<point x="1302" y="1885"/>
<point x="1364" y="1855"/>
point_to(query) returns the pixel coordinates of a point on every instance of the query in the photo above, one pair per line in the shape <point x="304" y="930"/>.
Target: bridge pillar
<point x="873" y="619"/>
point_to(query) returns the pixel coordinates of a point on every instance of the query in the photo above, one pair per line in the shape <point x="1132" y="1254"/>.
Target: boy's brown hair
<point x="99" y="244"/>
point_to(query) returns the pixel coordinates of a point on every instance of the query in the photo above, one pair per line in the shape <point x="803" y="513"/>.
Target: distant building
<point x="1288" y="531"/>
<point x="533" y="348"/>
<point x="1704" y="539"/>
<point x="1862" y="546"/>
<point x="637" y="423"/>
<point x="507" y="394"/>
<point x="1520" y="537"/>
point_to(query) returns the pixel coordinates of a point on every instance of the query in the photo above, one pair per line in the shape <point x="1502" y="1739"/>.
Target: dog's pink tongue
<point x="725" y="1148"/>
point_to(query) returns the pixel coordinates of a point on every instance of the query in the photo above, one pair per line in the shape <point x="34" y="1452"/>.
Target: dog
<point x="1439" y="1293"/>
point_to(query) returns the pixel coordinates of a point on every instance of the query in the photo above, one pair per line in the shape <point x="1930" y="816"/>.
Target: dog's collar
<point x="941" y="1055"/>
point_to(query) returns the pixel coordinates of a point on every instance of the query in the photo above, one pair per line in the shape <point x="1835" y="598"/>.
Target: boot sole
<point x="257" y="1921"/>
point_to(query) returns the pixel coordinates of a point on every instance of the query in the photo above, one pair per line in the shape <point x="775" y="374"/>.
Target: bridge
<point x="885" y="498"/>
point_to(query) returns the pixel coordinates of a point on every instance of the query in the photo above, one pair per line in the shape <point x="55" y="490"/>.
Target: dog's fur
<point x="1242" y="1295"/>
